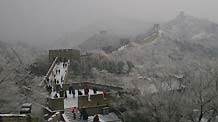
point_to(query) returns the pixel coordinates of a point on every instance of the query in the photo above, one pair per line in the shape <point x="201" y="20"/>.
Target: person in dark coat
<point x="55" y="81"/>
<point x="47" y="79"/>
<point x="70" y="89"/>
<point x="85" y="116"/>
<point x="86" y="91"/>
<point x="65" y="94"/>
<point x="96" y="118"/>
<point x="62" y="78"/>
<point x="79" y="92"/>
<point x="73" y="92"/>
<point x="95" y="90"/>
<point x="56" y="95"/>
<point x="61" y="92"/>
<point x="82" y="110"/>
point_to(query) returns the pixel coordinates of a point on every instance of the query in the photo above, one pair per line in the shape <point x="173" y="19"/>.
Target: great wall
<point x="60" y="102"/>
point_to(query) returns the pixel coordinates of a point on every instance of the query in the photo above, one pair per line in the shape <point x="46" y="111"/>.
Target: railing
<point x="55" y="117"/>
<point x="49" y="72"/>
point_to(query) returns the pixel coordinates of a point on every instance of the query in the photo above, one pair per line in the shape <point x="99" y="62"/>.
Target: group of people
<point x="72" y="91"/>
<point x="62" y="93"/>
<point x="84" y="115"/>
<point x="64" y="65"/>
<point x="58" y="71"/>
<point x="57" y="87"/>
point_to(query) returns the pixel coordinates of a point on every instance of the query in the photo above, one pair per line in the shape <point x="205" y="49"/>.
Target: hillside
<point x="183" y="38"/>
<point x="192" y="29"/>
<point x="100" y="41"/>
<point x="118" y="27"/>
<point x="15" y="78"/>
<point x="169" y="53"/>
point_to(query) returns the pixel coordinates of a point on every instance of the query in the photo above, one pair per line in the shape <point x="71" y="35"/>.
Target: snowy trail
<point x="58" y="76"/>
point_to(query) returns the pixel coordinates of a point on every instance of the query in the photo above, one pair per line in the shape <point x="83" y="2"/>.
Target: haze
<point x="42" y="22"/>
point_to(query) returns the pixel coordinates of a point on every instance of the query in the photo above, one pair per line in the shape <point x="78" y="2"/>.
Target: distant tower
<point x="156" y="28"/>
<point x="182" y="14"/>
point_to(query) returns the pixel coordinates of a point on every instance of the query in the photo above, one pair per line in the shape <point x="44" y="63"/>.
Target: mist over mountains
<point x="185" y="31"/>
<point x="184" y="43"/>
<point x="143" y="60"/>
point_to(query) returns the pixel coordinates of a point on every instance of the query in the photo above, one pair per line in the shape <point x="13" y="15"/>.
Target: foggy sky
<point x="44" y="21"/>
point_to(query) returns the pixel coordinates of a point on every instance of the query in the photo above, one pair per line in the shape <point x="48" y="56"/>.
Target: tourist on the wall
<point x="70" y="89"/>
<point x="85" y="116"/>
<point x="95" y="90"/>
<point x="81" y="113"/>
<point x="61" y="92"/>
<point x="47" y="79"/>
<point x="56" y="95"/>
<point x="62" y="78"/>
<point x="74" y="112"/>
<point x="96" y="118"/>
<point x="86" y="91"/>
<point x="73" y="92"/>
<point x="65" y="93"/>
<point x="79" y="92"/>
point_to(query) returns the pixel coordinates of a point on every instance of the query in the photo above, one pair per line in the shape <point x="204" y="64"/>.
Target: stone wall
<point x="82" y="85"/>
<point x="56" y="104"/>
<point x="91" y="111"/>
<point x="18" y="118"/>
<point x="95" y="100"/>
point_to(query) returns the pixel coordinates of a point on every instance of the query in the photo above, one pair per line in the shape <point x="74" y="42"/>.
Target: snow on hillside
<point x="183" y="43"/>
<point x="189" y="28"/>
<point x="14" y="76"/>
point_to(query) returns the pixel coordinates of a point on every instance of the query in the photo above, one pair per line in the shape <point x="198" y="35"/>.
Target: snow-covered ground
<point x="58" y="76"/>
<point x="70" y="102"/>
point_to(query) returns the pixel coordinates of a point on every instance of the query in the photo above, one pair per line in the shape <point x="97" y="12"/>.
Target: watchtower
<point x="64" y="55"/>
<point x="156" y="28"/>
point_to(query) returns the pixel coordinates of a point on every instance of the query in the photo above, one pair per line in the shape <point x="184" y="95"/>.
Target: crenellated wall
<point x="95" y="103"/>
<point x="64" y="54"/>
